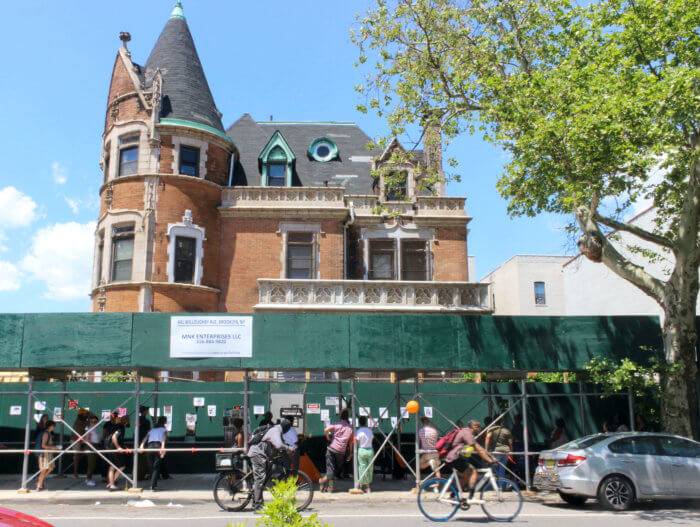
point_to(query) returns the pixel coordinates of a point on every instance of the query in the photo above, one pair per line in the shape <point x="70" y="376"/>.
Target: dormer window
<point x="276" y="162"/>
<point x="323" y="149"/>
<point x="396" y="186"/>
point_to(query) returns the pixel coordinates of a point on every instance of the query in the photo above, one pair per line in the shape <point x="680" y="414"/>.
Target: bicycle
<point x="439" y="499"/>
<point x="233" y="489"/>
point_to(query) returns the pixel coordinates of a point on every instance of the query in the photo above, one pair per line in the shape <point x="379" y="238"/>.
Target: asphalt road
<point x="344" y="514"/>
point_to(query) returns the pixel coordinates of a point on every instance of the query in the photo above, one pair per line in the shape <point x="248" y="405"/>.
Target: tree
<point x="587" y="101"/>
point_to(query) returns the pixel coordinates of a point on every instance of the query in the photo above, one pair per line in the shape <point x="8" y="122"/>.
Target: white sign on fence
<point x="15" y="410"/>
<point x="201" y="337"/>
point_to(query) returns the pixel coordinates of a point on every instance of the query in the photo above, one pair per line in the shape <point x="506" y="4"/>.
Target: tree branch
<point x="612" y="259"/>
<point x="633" y="229"/>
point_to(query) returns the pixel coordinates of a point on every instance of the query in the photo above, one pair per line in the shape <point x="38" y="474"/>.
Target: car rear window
<point x="584" y="442"/>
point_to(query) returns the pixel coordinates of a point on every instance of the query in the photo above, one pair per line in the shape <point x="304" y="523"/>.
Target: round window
<point x="323" y="150"/>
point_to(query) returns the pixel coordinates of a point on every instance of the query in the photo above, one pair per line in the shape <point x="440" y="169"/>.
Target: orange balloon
<point x="412" y="407"/>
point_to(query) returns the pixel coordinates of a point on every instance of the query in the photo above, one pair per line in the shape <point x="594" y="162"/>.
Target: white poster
<point x="211" y="410"/>
<point x="404" y="413"/>
<point x="197" y="402"/>
<point x="190" y="420"/>
<point x="168" y="411"/>
<point x="364" y="410"/>
<point x="258" y="410"/>
<point x="105" y="415"/>
<point x="169" y="425"/>
<point x="201" y="337"/>
<point x="57" y="413"/>
<point x="394" y="420"/>
<point x="15" y="410"/>
<point x="325" y="415"/>
<point x="428" y="411"/>
<point x="40" y="406"/>
<point x="313" y="408"/>
<point x="383" y="412"/>
<point x="331" y="401"/>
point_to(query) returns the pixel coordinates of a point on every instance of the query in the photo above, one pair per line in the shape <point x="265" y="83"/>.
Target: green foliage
<point x="554" y="377"/>
<point x="117" y="376"/>
<point x="281" y="511"/>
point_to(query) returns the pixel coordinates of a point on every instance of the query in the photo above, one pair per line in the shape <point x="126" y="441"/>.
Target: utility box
<point x="291" y="406"/>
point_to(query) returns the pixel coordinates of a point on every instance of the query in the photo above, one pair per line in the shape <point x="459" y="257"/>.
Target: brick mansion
<point x="262" y="216"/>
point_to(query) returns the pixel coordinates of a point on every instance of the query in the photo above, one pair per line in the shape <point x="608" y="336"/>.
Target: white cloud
<point x="16" y="208"/>
<point x="58" y="172"/>
<point x="9" y="277"/>
<point x="74" y="204"/>
<point x="61" y="256"/>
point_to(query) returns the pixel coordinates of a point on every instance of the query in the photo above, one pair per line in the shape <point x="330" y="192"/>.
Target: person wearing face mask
<point x="262" y="453"/>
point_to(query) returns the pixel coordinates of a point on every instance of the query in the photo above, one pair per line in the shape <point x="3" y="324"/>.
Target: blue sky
<point x="289" y="59"/>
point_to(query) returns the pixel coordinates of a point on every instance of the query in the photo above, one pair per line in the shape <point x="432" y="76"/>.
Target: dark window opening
<point x="276" y="175"/>
<point x="300" y="255"/>
<point x="189" y="160"/>
<point x="540" y="298"/>
<point x="105" y="171"/>
<point x="100" y="254"/>
<point x="122" y="252"/>
<point x="395" y="187"/>
<point x="414" y="260"/>
<point x="185" y="253"/>
<point x="382" y="260"/>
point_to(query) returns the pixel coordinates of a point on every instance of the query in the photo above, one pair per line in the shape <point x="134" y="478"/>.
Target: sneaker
<point x="89" y="483"/>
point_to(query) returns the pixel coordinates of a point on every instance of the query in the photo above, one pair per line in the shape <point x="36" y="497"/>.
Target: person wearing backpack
<point x="460" y="451"/>
<point x="261" y="451"/>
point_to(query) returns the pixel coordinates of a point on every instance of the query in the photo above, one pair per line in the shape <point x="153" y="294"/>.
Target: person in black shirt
<point x="114" y="440"/>
<point x="144" y="428"/>
<point x="267" y="419"/>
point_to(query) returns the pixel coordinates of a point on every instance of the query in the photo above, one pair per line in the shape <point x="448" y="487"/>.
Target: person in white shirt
<point x="365" y="453"/>
<point x="291" y="439"/>
<point x="156" y="438"/>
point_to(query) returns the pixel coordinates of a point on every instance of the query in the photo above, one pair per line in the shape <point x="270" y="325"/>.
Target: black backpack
<point x="258" y="435"/>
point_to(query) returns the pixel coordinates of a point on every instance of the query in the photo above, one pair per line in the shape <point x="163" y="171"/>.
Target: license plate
<point x="550" y="463"/>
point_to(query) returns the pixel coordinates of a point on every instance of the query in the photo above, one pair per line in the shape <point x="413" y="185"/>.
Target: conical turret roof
<point x="186" y="93"/>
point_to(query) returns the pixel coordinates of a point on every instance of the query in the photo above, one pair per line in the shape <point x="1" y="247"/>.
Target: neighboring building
<point x="565" y="285"/>
<point x="528" y="285"/>
<point x="263" y="216"/>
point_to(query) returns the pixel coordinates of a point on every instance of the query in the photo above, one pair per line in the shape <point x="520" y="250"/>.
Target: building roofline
<point x="324" y="123"/>
<point x="639" y="215"/>
<point x="524" y="255"/>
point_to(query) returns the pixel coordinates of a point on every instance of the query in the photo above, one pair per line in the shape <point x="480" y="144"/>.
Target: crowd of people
<point x="88" y="438"/>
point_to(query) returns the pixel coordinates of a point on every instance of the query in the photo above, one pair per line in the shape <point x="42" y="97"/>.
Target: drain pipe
<point x="345" y="240"/>
<point x="230" y="169"/>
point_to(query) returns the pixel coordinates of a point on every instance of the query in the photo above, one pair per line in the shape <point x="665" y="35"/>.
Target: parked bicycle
<point x="233" y="489"/>
<point x="439" y="499"/>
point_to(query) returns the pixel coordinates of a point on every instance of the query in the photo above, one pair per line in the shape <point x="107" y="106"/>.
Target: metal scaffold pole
<point x="63" y="427"/>
<point x="137" y="437"/>
<point x="355" y="478"/>
<point x="415" y="398"/>
<point x="246" y="409"/>
<point x="526" y="439"/>
<point x="630" y="405"/>
<point x="27" y="427"/>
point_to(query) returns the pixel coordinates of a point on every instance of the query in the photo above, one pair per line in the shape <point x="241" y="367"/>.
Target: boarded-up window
<point x="414" y="260"/>
<point x="382" y="258"/>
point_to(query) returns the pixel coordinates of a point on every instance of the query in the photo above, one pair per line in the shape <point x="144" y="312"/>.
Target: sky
<point x="292" y="60"/>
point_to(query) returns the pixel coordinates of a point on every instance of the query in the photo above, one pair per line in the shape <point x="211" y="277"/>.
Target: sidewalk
<point x="181" y="489"/>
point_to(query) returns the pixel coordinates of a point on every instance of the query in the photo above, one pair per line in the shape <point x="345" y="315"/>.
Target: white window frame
<point x="398" y="232"/>
<point x="314" y="228"/>
<point x="188" y="229"/>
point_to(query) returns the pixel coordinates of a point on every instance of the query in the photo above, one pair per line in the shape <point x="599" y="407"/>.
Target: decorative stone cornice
<point x="104" y="288"/>
<point x="139" y="177"/>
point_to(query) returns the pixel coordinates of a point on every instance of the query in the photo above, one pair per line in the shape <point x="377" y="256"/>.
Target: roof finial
<point x="178" y="12"/>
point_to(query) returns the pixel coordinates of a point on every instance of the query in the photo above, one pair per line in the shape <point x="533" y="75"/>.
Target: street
<point x="340" y="512"/>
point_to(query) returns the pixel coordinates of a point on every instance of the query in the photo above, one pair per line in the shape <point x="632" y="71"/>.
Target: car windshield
<point x="583" y="442"/>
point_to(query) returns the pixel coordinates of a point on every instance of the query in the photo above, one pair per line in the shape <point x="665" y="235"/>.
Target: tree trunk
<point x="679" y="405"/>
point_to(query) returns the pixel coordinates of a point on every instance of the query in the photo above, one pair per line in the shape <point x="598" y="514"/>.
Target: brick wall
<point x="450" y="254"/>
<point x="217" y="165"/>
<point x="126" y="194"/>
<point x="166" y="159"/>
<point x="121" y="84"/>
<point x="120" y="300"/>
<point x="251" y="248"/>
<point x="184" y="300"/>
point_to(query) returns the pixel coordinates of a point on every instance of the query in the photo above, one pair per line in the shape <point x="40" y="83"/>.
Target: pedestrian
<point x="621" y="426"/>
<point x="499" y="440"/>
<point x="44" y="441"/>
<point x="365" y="453"/>
<point x="559" y="436"/>
<point x="114" y="440"/>
<point x="93" y="438"/>
<point x="335" y="452"/>
<point x="155" y="439"/>
<point x="291" y="439"/>
<point x="40" y="426"/>
<point x="80" y="425"/>
<point x="428" y="435"/>
<point x="266" y="420"/>
<point x="144" y="428"/>
<point x="262" y="453"/>
<point x="238" y="433"/>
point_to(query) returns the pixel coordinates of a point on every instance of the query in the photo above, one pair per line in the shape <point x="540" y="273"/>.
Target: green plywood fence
<point x="452" y="400"/>
<point x="361" y="342"/>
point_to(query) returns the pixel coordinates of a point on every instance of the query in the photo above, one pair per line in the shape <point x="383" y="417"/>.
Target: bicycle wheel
<point x="437" y="500"/>
<point x="305" y="491"/>
<point x="505" y="505"/>
<point x="233" y="491"/>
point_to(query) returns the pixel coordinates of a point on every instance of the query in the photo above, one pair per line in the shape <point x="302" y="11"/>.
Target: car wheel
<point x="616" y="493"/>
<point x="572" y="499"/>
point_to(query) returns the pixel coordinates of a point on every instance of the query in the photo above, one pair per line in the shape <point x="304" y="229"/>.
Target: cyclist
<point x="261" y="454"/>
<point x="476" y="457"/>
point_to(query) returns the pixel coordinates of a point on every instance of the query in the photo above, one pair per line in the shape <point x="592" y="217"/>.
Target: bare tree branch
<point x="634" y="229"/>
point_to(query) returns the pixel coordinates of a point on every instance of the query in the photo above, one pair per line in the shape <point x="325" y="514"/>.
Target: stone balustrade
<point x="372" y="295"/>
<point x="440" y="206"/>
<point x="280" y="197"/>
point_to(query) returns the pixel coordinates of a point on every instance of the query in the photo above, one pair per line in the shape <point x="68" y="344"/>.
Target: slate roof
<point x="251" y="137"/>
<point x="186" y="93"/>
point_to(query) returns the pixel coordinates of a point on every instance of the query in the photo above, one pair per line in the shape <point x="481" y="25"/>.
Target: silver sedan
<point x="621" y="468"/>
